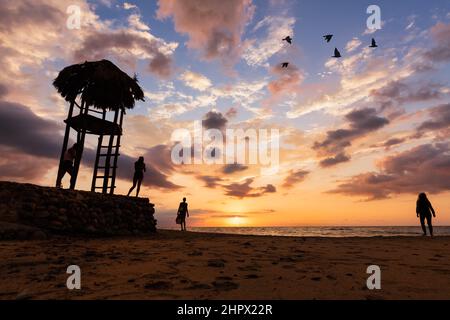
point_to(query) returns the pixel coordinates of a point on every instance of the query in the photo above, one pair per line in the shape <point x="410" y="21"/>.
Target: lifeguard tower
<point x="97" y="91"/>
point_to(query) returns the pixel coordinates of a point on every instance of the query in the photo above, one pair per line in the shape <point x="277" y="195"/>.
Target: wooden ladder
<point x="104" y="177"/>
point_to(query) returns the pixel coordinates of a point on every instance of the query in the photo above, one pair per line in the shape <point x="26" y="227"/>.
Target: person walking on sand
<point x="139" y="169"/>
<point x="182" y="213"/>
<point x="424" y="210"/>
<point x="67" y="166"/>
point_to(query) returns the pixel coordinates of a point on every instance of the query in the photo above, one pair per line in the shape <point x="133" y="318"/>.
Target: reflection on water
<point x="325" y="231"/>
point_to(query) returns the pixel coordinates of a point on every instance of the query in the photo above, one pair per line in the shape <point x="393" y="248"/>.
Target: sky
<point x="360" y="136"/>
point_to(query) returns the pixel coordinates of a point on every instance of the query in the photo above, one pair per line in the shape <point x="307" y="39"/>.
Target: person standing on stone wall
<point x="67" y="166"/>
<point x="139" y="169"/>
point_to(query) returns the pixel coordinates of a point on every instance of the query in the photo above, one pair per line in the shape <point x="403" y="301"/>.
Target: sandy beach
<point x="175" y="265"/>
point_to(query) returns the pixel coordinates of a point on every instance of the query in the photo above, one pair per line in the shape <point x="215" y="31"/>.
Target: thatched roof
<point x="101" y="85"/>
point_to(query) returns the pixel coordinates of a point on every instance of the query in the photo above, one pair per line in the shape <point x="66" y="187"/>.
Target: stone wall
<point x="71" y="212"/>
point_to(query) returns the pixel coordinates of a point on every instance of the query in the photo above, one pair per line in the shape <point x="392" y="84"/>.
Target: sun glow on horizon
<point x="236" y="221"/>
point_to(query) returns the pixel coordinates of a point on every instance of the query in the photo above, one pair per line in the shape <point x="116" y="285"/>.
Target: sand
<point x="176" y="265"/>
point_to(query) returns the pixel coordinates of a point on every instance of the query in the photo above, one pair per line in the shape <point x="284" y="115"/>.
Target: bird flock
<point x="328" y="38"/>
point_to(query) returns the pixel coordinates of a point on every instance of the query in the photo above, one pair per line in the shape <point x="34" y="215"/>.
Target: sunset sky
<point x="360" y="136"/>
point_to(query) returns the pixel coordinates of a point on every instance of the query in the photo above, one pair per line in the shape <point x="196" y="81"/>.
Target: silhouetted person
<point x="67" y="166"/>
<point x="182" y="213"/>
<point x="139" y="169"/>
<point x="424" y="210"/>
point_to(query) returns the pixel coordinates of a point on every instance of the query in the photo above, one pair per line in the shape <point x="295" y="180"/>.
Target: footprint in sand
<point x="199" y="286"/>
<point x="158" y="285"/>
<point x="195" y="253"/>
<point x="287" y="259"/>
<point x="216" y="263"/>
<point x="225" y="285"/>
<point x="249" y="268"/>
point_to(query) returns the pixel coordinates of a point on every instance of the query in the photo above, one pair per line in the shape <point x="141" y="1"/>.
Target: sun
<point x="236" y="221"/>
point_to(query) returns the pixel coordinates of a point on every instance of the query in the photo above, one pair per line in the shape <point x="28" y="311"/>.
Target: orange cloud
<point x="214" y="26"/>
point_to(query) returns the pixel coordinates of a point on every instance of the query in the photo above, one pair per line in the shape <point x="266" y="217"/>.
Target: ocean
<point x="325" y="231"/>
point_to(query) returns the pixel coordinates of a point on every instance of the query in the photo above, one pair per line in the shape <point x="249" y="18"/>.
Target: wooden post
<point x="108" y="156"/>
<point x="65" y="143"/>
<point x="116" y="154"/>
<point x="80" y="141"/>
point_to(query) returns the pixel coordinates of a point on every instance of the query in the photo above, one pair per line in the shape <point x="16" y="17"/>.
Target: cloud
<point x="353" y="44"/>
<point x="425" y="168"/>
<point x="360" y="123"/>
<point x="231" y="113"/>
<point x="244" y="190"/>
<point x="127" y="46"/>
<point x="294" y="177"/>
<point x="214" y="27"/>
<point x="28" y="133"/>
<point x="18" y="166"/>
<point x="129" y="6"/>
<point x="26" y="13"/>
<point x="440" y="33"/>
<point x="107" y="3"/>
<point x="214" y="120"/>
<point x="287" y="79"/>
<point x="3" y="90"/>
<point x="259" y="51"/>
<point x="233" y="168"/>
<point x="393" y="142"/>
<point x="335" y="160"/>
<point x="440" y="121"/>
<point x="400" y="92"/>
<point x="35" y="38"/>
<point x="195" y="80"/>
<point x="135" y="22"/>
<point x="210" y="181"/>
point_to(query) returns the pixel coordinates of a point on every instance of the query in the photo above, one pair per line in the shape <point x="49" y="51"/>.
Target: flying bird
<point x="337" y="54"/>
<point x="328" y="37"/>
<point x="374" y="44"/>
<point x="288" y="39"/>
<point x="284" y="64"/>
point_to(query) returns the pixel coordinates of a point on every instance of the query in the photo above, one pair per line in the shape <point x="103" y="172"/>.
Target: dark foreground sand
<point x="175" y="265"/>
